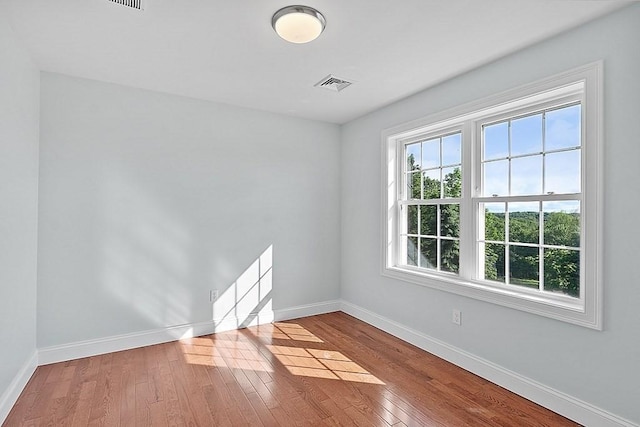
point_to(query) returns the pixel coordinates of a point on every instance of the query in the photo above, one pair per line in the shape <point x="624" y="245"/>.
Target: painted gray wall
<point x="19" y="98"/>
<point x="598" y="367"/>
<point x="148" y="200"/>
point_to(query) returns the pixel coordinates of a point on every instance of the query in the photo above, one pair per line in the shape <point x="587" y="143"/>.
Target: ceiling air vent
<point x="134" y="4"/>
<point x="333" y="83"/>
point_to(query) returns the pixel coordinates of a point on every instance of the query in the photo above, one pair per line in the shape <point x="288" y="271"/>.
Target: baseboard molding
<point x="307" y="310"/>
<point x="11" y="394"/>
<point x="77" y="350"/>
<point x="557" y="401"/>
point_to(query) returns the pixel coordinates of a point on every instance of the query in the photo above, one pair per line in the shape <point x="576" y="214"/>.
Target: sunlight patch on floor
<point x="233" y="351"/>
<point x="224" y="354"/>
<point x="284" y="331"/>
<point x="321" y="364"/>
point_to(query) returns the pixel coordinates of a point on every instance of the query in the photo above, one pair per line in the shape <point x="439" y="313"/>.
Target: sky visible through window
<point x="535" y="154"/>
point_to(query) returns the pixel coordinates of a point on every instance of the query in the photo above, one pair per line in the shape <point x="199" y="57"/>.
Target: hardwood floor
<point x="323" y="370"/>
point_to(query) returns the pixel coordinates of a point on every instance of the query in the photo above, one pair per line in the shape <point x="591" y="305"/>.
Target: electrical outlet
<point x="456" y="317"/>
<point x="213" y="295"/>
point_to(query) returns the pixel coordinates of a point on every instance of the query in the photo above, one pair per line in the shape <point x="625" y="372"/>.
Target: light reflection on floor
<point x="234" y="350"/>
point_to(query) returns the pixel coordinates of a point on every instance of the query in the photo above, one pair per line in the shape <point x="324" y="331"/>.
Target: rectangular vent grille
<point x="135" y="4"/>
<point x="333" y="83"/>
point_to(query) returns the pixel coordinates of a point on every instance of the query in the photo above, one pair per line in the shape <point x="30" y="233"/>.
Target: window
<point x="431" y="207"/>
<point x="499" y="200"/>
<point x="529" y="207"/>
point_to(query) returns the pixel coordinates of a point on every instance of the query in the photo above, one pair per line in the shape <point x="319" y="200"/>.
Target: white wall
<point x="19" y="94"/>
<point x="148" y="200"/>
<point x="600" y="368"/>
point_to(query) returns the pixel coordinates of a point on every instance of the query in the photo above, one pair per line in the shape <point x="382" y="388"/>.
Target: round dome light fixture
<point x="298" y="24"/>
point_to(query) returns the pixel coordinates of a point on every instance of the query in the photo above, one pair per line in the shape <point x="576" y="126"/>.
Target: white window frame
<point x="441" y="132"/>
<point x="583" y="84"/>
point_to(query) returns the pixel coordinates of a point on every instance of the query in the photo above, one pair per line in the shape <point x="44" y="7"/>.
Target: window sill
<point x="566" y="309"/>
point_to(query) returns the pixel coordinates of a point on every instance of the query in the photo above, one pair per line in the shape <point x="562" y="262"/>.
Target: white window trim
<point x="584" y="311"/>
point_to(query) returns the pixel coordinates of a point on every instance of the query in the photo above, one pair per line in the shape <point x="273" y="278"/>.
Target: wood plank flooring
<point x="322" y="370"/>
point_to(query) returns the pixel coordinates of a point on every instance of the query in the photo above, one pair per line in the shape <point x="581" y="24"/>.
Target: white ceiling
<point x="226" y="50"/>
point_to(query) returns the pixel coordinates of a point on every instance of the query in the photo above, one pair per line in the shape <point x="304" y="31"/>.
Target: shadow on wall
<point x="146" y="266"/>
<point x="248" y="301"/>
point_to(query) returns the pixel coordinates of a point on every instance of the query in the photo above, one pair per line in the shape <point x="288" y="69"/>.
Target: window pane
<point x="412" y="251"/>
<point x="524" y="222"/>
<point x="494" y="215"/>
<point x="431" y="184"/>
<point x="562" y="172"/>
<point x="428" y="253"/>
<point x="412" y="219"/>
<point x="562" y="223"/>
<point x="452" y="182"/>
<point x="451" y="149"/>
<point x="449" y="255"/>
<point x="413" y="156"/>
<point x="428" y="220"/>
<point x="526" y="135"/>
<point x="431" y="153"/>
<point x="494" y="262"/>
<point x="413" y="185"/>
<point x="562" y="271"/>
<point x="496" y="141"/>
<point x="526" y="175"/>
<point x="496" y="178"/>
<point x="562" y="128"/>
<point x="523" y="266"/>
<point x="450" y="220"/>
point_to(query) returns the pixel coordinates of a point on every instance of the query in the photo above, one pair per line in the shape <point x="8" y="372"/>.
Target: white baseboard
<point x="77" y="350"/>
<point x="557" y="401"/>
<point x="80" y="349"/>
<point x="11" y="394"/>
<point x="307" y="310"/>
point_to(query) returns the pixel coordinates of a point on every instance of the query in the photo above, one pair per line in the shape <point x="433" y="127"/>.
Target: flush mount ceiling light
<point x="298" y="24"/>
